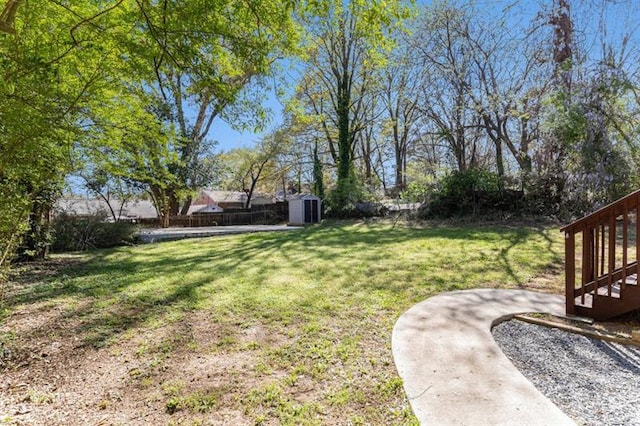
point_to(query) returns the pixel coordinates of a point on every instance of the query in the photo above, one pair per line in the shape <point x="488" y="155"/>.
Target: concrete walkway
<point x="169" y="234"/>
<point x="453" y="371"/>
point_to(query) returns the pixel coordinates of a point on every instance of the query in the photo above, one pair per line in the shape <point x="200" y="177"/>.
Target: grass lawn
<point x="276" y="328"/>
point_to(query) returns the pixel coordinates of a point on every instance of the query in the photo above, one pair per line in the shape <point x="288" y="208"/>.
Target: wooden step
<point x="604" y="306"/>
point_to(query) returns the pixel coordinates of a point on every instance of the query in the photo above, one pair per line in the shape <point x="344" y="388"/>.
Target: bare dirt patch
<point x="50" y="377"/>
<point x="51" y="374"/>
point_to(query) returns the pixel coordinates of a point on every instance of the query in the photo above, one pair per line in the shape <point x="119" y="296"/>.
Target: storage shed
<point x="304" y="208"/>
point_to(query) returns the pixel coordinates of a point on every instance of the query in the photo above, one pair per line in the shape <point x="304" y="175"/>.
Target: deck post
<point x="589" y="255"/>
<point x="612" y="253"/>
<point x="570" y="271"/>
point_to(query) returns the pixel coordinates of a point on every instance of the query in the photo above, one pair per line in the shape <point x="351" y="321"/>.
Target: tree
<point x="306" y="158"/>
<point x="400" y="96"/>
<point x="592" y="113"/>
<point x="318" y="173"/>
<point x="338" y="77"/>
<point x="8" y="15"/>
<point x="338" y="66"/>
<point x="186" y="70"/>
<point x="512" y="77"/>
<point x="211" y="77"/>
<point x="246" y="167"/>
<point x="599" y="165"/>
<point x="127" y="141"/>
<point x="447" y="78"/>
<point x="49" y="69"/>
<point x="81" y="73"/>
<point x="186" y="65"/>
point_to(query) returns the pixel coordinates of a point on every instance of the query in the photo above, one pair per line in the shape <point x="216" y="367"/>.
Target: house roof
<point x="89" y="206"/>
<point x="262" y="199"/>
<point x="225" y="196"/>
<point x="141" y="208"/>
<point x="211" y="208"/>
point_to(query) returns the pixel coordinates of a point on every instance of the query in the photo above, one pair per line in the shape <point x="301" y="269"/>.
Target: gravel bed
<point x="592" y="381"/>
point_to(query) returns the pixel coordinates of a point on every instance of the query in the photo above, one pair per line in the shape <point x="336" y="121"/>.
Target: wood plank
<point x="595" y="273"/>
<point x="602" y="251"/>
<point x="612" y="252"/>
<point x="587" y="259"/>
<point x="601" y="275"/>
<point x="581" y="224"/>
<point x="592" y="333"/>
<point x="570" y="272"/>
<point x="625" y="242"/>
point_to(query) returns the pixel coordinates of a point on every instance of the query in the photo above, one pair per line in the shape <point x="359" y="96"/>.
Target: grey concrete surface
<point x="453" y="371"/>
<point x="168" y="234"/>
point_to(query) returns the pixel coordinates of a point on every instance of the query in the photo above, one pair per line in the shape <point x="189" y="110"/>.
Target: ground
<point x="289" y="328"/>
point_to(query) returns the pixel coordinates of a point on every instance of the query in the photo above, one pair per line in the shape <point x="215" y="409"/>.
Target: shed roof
<point x="303" y="196"/>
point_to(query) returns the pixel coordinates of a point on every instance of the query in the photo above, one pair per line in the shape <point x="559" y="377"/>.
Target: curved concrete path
<point x="453" y="371"/>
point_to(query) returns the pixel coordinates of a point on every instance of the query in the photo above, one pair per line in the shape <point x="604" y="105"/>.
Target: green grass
<point x="325" y="300"/>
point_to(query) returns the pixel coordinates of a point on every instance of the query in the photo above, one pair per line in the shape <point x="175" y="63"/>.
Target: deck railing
<point x="601" y="250"/>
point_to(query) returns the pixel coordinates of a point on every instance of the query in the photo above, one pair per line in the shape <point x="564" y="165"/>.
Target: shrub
<point x="341" y="201"/>
<point x="72" y="233"/>
<point x="416" y="192"/>
<point x="471" y="192"/>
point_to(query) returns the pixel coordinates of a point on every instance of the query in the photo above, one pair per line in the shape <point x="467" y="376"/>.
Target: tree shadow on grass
<point x="120" y="289"/>
<point x="514" y="240"/>
<point x="112" y="291"/>
<point x="507" y="239"/>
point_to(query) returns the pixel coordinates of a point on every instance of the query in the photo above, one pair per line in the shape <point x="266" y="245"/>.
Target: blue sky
<point x="228" y="138"/>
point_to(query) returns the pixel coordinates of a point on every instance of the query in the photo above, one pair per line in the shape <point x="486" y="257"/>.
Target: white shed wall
<point x="296" y="212"/>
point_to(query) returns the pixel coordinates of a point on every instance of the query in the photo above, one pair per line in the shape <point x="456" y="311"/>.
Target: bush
<point x="471" y="192"/>
<point x="341" y="201"/>
<point x="72" y="233"/>
<point x="416" y="192"/>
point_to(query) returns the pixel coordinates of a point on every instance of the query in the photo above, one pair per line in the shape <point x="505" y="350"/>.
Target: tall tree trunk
<point x="562" y="43"/>
<point x="344" y="148"/>
<point x="318" y="178"/>
<point x="162" y="203"/>
<point x="499" y="158"/>
<point x="186" y="205"/>
<point x="174" y="203"/>
<point x="37" y="241"/>
<point x="400" y="169"/>
<point x="366" y="157"/>
<point x="563" y="57"/>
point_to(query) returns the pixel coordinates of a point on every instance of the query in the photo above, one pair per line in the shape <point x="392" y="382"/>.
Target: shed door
<point x="314" y="211"/>
<point x="307" y="211"/>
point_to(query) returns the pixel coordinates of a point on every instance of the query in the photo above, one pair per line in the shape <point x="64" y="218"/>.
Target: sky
<point x="228" y="138"/>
